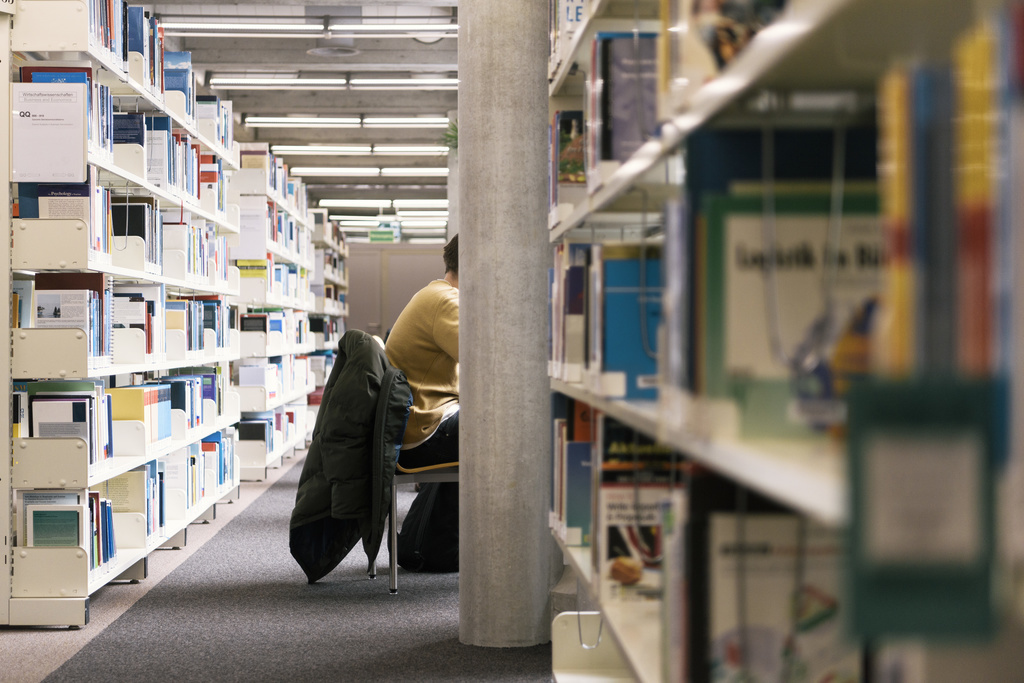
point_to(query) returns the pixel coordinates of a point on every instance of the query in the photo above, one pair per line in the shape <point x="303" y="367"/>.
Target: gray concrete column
<point x="507" y="563"/>
<point x="453" y="183"/>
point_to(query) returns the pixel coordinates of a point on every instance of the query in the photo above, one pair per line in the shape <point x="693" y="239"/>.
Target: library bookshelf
<point x="808" y="84"/>
<point x="140" y="472"/>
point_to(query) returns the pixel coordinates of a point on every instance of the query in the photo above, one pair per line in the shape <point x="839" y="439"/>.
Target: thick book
<point x="753" y="323"/>
<point x="56" y="525"/>
<point x="129" y="128"/>
<point x="629" y="303"/>
<point x="55" y="201"/>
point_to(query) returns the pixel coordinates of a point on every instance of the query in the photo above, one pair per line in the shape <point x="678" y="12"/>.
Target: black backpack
<point x="429" y="538"/>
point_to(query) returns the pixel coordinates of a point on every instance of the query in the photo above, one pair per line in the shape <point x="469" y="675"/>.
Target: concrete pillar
<point x="453" y="183"/>
<point x="507" y="563"/>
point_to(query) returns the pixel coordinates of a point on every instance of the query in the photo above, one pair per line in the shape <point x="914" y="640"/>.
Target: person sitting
<point x="424" y="344"/>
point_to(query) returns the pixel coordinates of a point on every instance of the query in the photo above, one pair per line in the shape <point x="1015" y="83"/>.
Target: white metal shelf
<point x="635" y="624"/>
<point x="254" y="399"/>
<point x="810" y="47"/>
<point x="59" y="30"/>
<point x="128" y="163"/>
<point x="63" y="245"/>
<point x="330" y="307"/>
<point x="806" y="475"/>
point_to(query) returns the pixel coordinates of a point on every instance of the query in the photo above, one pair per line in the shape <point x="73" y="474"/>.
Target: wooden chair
<point x="422" y="475"/>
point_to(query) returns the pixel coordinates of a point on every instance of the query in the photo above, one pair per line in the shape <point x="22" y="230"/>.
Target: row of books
<point x="145" y="37"/>
<point x="273" y="427"/>
<point x="67" y="518"/>
<point x="75" y="300"/>
<point x="99" y="121"/>
<point x="172" y="155"/>
<point x="605" y="307"/>
<point x="329" y="328"/>
<point x="257" y="155"/>
<point x="637" y="80"/>
<point x="280" y="375"/>
<point x="664" y="531"/>
<point x="206" y="253"/>
<point x="327" y="262"/>
<point x="291" y="324"/>
<point x="321" y="362"/>
<point x="948" y="202"/>
<point x="221" y="112"/>
<point x="262" y="221"/>
<point x="88" y="302"/>
<point x="85" y="518"/>
<point x="287" y="279"/>
<point x="329" y="291"/>
<point x="60" y="409"/>
<point x="112" y="219"/>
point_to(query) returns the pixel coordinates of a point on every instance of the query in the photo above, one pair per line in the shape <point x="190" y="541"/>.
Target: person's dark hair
<point x="451" y="255"/>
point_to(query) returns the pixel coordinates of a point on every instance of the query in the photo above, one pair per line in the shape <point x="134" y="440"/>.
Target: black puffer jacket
<point x="344" y="491"/>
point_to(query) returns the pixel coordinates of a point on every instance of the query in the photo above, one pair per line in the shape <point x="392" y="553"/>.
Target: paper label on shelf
<point x="923" y="499"/>
<point x="48" y="133"/>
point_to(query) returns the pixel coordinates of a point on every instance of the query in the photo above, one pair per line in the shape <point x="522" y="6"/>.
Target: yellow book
<point x="894" y="350"/>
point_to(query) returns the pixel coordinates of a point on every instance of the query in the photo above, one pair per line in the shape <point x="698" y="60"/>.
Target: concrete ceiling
<point x="358" y="57"/>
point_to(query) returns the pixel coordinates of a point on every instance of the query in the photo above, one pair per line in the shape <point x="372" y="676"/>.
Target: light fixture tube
<point x="421" y="214"/>
<point x="394" y="28"/>
<point x="264" y="83"/>
<point x="415" y="172"/>
<point x="302" y="121"/>
<point x="334" y="171"/>
<point x="405" y="122"/>
<point x="225" y="26"/>
<point x="421" y="203"/>
<point x="323" y="150"/>
<point x="355" y="203"/>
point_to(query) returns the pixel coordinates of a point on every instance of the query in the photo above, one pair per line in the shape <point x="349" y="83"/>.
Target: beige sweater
<point x="424" y="344"/>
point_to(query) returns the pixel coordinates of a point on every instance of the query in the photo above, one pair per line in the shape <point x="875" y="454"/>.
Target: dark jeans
<point x="442" y="447"/>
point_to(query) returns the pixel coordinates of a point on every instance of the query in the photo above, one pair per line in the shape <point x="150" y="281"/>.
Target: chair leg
<point x="393" y="537"/>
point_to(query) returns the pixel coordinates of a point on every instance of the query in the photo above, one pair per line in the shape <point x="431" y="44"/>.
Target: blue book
<point x="631" y="92"/>
<point x="129" y="128"/>
<point x="178" y="75"/>
<point x="138" y="30"/>
<point x="578" y="487"/>
<point x="632" y="313"/>
<point x="60" y="77"/>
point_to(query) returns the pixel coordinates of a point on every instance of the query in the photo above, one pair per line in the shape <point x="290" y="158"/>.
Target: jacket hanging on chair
<point x="345" y="486"/>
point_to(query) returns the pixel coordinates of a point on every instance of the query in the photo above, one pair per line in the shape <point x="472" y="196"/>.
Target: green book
<point x="55" y="525"/>
<point x="755" y="332"/>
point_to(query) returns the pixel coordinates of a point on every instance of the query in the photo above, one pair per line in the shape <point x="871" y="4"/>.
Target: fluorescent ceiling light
<point x="346" y="122"/>
<point x="418" y="172"/>
<point x="334" y="171"/>
<point x="358" y="150"/>
<point x="421" y="203"/>
<point x="337" y="217"/>
<point x="228" y="26"/>
<point x="265" y="83"/>
<point x="405" y="122"/>
<point x="423" y="223"/>
<point x="369" y="223"/>
<point x="404" y="84"/>
<point x="422" y="214"/>
<point x="394" y="28"/>
<point x="426" y="240"/>
<point x="410" y="150"/>
<point x="356" y="203"/>
<point x="322" y="150"/>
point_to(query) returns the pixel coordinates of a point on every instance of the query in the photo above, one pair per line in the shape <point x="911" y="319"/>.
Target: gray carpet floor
<point x="240" y="609"/>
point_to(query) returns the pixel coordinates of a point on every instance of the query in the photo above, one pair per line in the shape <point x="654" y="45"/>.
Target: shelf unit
<point x="251" y="187"/>
<point x="51" y="585"/>
<point x="834" y="52"/>
<point x="329" y="276"/>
